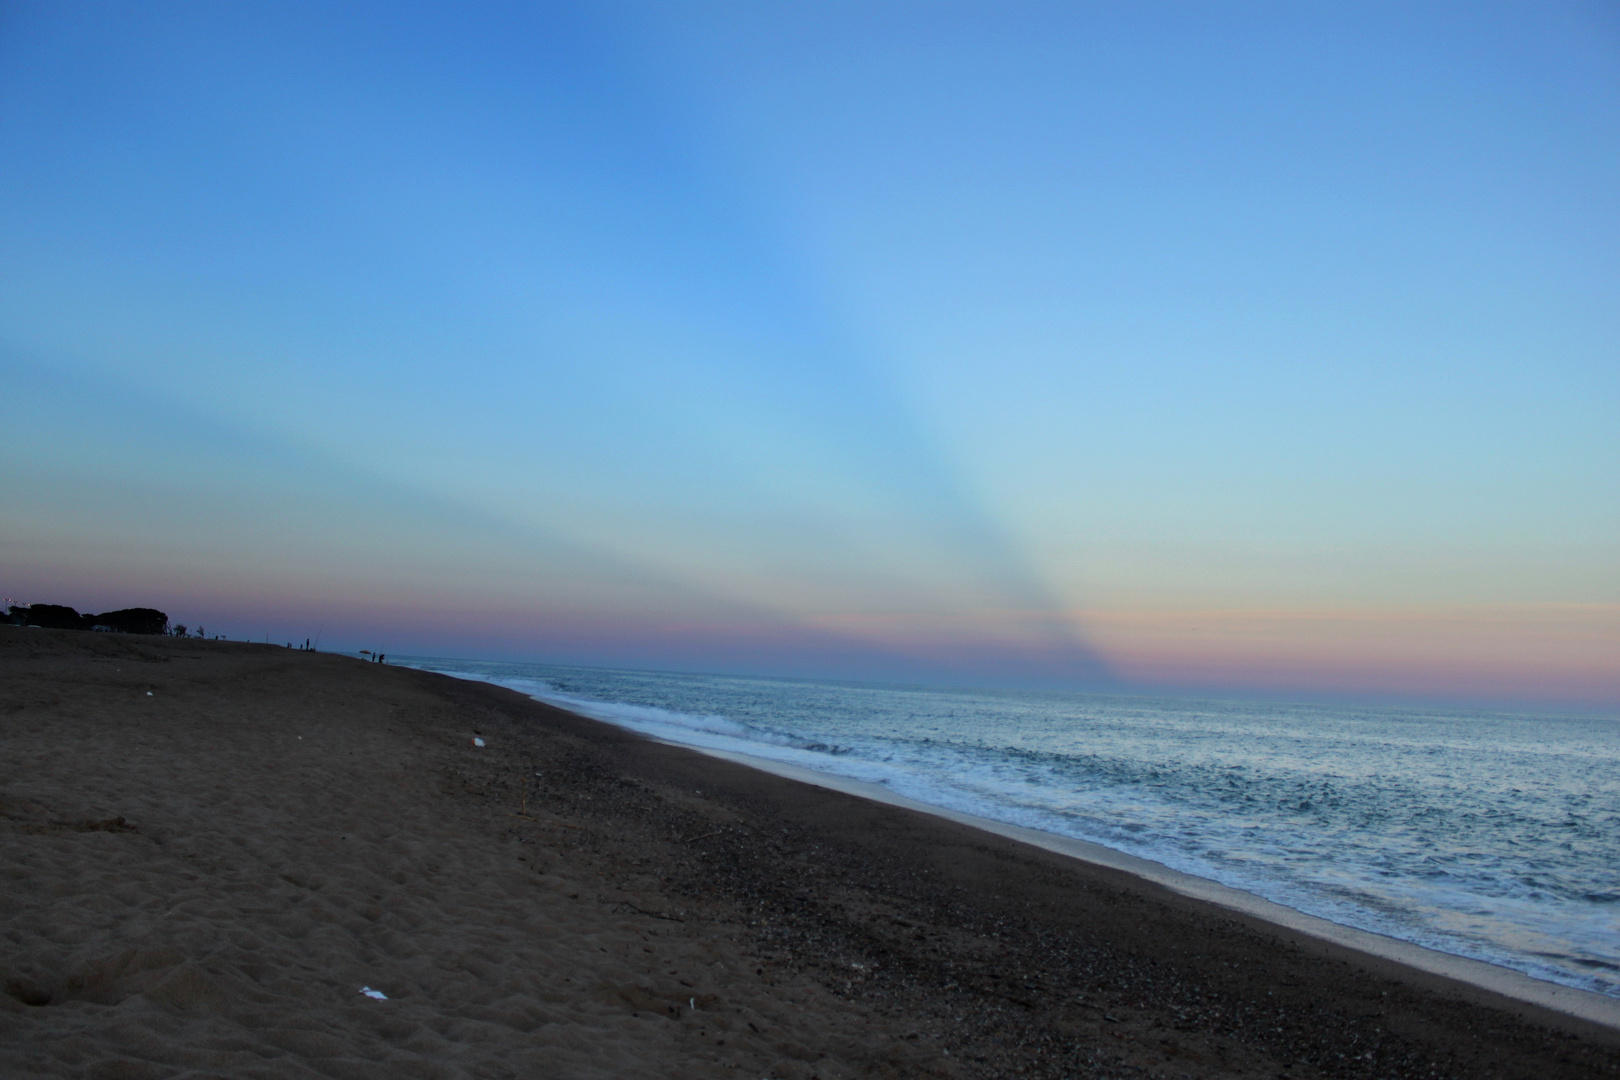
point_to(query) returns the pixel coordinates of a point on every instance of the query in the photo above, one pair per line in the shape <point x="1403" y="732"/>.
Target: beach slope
<point x="208" y="849"/>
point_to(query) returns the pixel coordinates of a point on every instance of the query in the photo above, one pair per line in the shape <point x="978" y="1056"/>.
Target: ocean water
<point x="1486" y="835"/>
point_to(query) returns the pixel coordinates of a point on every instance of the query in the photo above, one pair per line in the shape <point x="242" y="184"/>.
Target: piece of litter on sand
<point x="370" y="993"/>
<point x="149" y="693"/>
<point x="477" y="741"/>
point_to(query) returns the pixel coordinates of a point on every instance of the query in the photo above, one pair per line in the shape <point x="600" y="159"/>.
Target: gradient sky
<point x="1252" y="347"/>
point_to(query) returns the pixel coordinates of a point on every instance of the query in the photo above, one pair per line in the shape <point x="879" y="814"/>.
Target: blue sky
<point x="1268" y="347"/>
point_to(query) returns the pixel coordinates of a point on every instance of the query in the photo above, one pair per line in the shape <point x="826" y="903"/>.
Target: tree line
<point x="135" y="620"/>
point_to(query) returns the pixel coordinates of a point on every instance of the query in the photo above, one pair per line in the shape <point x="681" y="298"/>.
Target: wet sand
<point x="208" y="848"/>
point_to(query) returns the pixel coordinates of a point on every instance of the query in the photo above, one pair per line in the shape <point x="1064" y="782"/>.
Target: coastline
<point x="213" y="846"/>
<point x="1493" y="978"/>
<point x="1492" y="974"/>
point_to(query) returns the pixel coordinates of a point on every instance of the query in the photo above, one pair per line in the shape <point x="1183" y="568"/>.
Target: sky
<point x="1243" y="348"/>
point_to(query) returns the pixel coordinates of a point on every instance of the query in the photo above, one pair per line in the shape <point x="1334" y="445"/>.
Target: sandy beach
<point x="208" y="849"/>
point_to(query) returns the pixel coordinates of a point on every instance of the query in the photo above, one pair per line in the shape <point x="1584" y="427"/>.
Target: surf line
<point x="1571" y="1001"/>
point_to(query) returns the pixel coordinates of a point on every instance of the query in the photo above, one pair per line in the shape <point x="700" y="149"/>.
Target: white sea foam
<point x="700" y="729"/>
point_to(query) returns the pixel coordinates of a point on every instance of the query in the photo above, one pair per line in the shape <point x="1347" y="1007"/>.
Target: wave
<point x="651" y="720"/>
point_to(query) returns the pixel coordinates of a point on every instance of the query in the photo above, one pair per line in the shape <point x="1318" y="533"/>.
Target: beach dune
<point x="209" y="849"/>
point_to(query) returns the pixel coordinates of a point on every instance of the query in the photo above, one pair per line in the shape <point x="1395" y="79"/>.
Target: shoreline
<point x="210" y="847"/>
<point x="1495" y="978"/>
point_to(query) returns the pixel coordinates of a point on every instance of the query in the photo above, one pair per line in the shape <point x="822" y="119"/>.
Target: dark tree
<point x="52" y="617"/>
<point x="134" y="620"/>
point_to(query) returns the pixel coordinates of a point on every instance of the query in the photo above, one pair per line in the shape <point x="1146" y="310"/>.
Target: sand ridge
<point x="572" y="900"/>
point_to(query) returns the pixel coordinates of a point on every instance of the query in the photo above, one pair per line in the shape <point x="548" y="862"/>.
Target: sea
<point x="1489" y="835"/>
